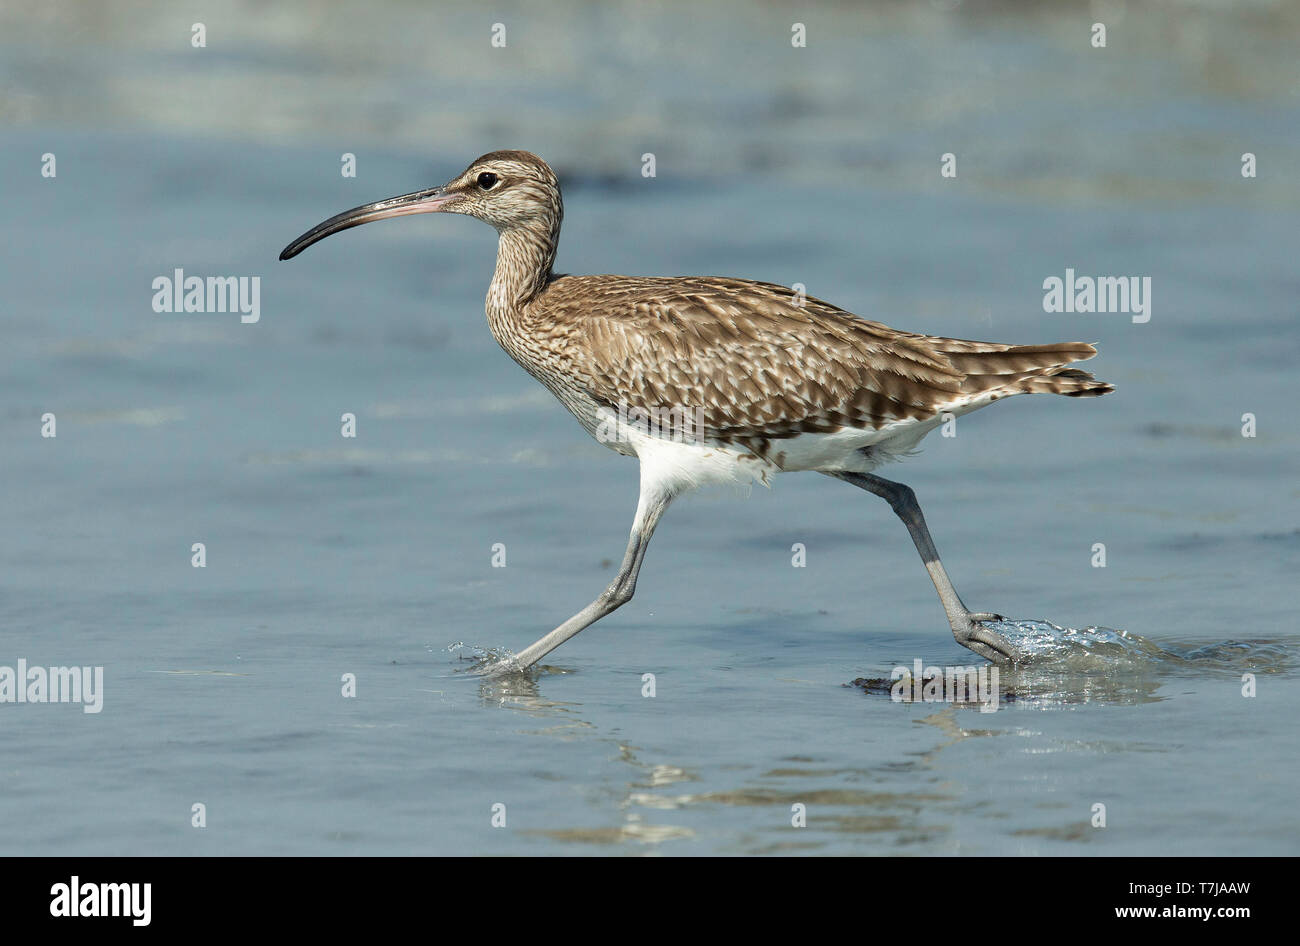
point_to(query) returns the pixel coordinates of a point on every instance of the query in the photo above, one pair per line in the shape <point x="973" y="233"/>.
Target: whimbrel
<point x="752" y="378"/>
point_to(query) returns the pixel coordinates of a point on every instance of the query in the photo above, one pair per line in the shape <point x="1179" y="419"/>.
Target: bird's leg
<point x="965" y="623"/>
<point x="649" y="509"/>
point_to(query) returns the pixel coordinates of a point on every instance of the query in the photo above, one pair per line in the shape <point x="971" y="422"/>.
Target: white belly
<point x="687" y="465"/>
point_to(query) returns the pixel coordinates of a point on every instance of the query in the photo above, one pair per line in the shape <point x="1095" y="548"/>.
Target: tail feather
<point x="1070" y="382"/>
<point x="1029" y="369"/>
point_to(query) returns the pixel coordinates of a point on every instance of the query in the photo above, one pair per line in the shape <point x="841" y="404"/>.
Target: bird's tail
<point x="1024" y="369"/>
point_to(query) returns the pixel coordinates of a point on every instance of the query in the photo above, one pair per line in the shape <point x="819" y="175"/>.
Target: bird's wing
<point x="754" y="360"/>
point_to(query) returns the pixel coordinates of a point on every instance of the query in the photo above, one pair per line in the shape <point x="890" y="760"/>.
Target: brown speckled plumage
<point x="760" y="365"/>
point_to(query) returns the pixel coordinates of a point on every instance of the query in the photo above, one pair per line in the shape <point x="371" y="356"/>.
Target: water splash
<point x="1040" y="643"/>
<point x="1057" y="666"/>
<point x="479" y="658"/>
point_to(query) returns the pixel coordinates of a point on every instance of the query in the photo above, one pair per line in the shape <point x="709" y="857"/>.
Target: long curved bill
<point x="428" y="201"/>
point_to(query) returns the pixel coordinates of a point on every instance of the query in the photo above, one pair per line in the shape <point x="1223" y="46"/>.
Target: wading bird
<point x="754" y="378"/>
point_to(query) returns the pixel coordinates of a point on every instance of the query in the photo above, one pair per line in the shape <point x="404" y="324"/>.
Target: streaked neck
<point x="525" y="255"/>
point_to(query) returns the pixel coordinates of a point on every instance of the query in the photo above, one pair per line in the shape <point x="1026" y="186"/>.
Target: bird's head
<point x="507" y="189"/>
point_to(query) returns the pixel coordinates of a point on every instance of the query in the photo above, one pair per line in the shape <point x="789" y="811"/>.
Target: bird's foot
<point x="970" y="631"/>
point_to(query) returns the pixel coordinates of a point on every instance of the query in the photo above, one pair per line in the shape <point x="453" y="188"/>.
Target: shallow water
<point x="371" y="556"/>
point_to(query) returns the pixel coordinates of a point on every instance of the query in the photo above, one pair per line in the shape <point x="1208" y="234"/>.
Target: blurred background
<point x="818" y="165"/>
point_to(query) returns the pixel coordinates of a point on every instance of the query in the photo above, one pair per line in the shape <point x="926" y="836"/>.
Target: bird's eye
<point x="487" y="180"/>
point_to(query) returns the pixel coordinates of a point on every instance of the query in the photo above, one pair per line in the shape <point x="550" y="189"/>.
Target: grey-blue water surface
<point x="372" y="556"/>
